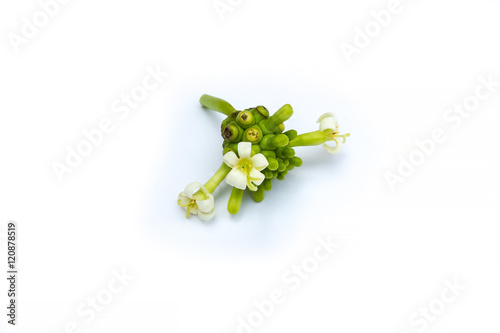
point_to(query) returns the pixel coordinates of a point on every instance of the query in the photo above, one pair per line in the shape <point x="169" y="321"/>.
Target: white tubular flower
<point x="329" y="124"/>
<point x="198" y="201"/>
<point x="246" y="170"/>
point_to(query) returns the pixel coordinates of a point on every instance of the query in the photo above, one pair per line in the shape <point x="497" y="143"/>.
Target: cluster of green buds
<point x="256" y="150"/>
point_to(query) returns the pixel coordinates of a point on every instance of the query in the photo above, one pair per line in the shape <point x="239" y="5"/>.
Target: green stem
<point x="309" y="139"/>
<point x="233" y="206"/>
<point x="217" y="104"/>
<point x="217" y="178"/>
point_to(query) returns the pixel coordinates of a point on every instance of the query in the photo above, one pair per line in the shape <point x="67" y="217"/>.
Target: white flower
<point x="246" y="169"/>
<point x="198" y="201"/>
<point x="329" y="124"/>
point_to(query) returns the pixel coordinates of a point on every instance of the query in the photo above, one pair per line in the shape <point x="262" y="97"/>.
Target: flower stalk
<point x="309" y="139"/>
<point x="217" y="178"/>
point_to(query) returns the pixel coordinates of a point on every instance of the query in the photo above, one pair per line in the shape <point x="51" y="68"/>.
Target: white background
<point x="117" y="209"/>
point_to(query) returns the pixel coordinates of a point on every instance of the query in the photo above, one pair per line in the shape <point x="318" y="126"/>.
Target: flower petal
<point x="251" y="186"/>
<point x="231" y="159"/>
<point x="325" y="115"/>
<point x="244" y="149"/>
<point x="207" y="205"/>
<point x="183" y="200"/>
<point x="329" y="123"/>
<point x="191" y="188"/>
<point x="333" y="150"/>
<point x="259" y="162"/>
<point x="206" y="216"/>
<point x="237" y="178"/>
<point x="256" y="177"/>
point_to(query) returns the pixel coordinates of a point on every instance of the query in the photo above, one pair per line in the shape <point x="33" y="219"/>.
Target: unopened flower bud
<point x="282" y="165"/>
<point x="271" y="141"/>
<point x="268" y="173"/>
<point x="279" y="129"/>
<point x="216" y="104"/>
<point x="288" y="152"/>
<point x="229" y="146"/>
<point x="269" y="153"/>
<point x="285" y="152"/>
<point x="291" y="134"/>
<point x="296" y="161"/>
<point x="234" y="203"/>
<point x="259" y="195"/>
<point x="267" y="185"/>
<point x="273" y="164"/>
<point x="282" y="115"/>
<point x="256" y="150"/>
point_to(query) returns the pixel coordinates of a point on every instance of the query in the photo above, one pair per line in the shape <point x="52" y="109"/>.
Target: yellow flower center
<point x="245" y="165"/>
